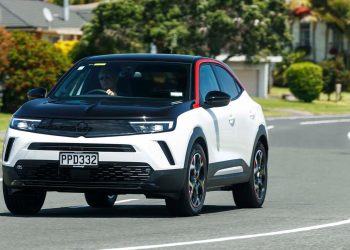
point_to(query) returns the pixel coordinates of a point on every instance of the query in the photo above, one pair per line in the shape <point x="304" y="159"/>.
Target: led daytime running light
<point x="24" y="124"/>
<point x="152" y="127"/>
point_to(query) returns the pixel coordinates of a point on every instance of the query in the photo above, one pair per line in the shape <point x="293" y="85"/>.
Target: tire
<point x="252" y="193"/>
<point x="192" y="196"/>
<point x="27" y="202"/>
<point x="100" y="200"/>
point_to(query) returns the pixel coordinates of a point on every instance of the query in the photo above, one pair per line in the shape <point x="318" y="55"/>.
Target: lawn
<point x="275" y="106"/>
<point x="4" y="122"/>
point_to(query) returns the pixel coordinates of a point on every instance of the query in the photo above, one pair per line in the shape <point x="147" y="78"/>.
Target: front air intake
<point x="167" y="152"/>
<point x="8" y="148"/>
<point x="81" y="147"/>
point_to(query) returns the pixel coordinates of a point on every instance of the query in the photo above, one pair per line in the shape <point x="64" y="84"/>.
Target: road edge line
<point x="186" y="243"/>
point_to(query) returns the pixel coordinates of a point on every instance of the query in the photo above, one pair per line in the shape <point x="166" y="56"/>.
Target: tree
<point x="255" y="28"/>
<point x="5" y="45"/>
<point x="32" y="63"/>
<point x="115" y="28"/>
<point x="258" y="28"/>
<point x="334" y="71"/>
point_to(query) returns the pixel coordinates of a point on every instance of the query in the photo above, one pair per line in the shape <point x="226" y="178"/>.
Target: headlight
<point x="152" y="127"/>
<point x="24" y="124"/>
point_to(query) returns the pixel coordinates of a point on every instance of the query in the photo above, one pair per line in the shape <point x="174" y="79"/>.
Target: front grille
<point x="86" y="128"/>
<point x="117" y="172"/>
<point x="81" y="147"/>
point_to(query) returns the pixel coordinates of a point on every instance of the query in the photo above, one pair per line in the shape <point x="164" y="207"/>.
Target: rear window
<point x="126" y="79"/>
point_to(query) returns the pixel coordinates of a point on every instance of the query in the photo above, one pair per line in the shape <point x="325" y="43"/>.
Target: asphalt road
<point x="309" y="186"/>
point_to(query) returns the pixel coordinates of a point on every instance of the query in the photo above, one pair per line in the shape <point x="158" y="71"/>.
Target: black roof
<point x="146" y="57"/>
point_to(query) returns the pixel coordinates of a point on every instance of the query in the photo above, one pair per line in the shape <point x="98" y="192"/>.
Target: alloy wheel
<point x="196" y="180"/>
<point x="259" y="174"/>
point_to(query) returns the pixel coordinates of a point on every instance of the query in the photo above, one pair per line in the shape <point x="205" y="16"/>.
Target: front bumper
<point x="118" y="178"/>
<point x="148" y="148"/>
<point x="145" y="164"/>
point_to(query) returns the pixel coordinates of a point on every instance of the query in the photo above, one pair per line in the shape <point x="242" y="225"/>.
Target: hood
<point x="102" y="109"/>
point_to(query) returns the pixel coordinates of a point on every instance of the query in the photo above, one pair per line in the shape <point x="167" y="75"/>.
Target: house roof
<point x="29" y="14"/>
<point x="85" y="14"/>
<point x="84" y="10"/>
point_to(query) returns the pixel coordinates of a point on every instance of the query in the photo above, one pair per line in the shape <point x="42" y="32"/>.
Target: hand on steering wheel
<point x="97" y="92"/>
<point x="110" y="92"/>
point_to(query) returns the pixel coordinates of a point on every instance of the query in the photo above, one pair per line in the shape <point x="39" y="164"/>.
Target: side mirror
<point x="217" y="99"/>
<point x="36" y="93"/>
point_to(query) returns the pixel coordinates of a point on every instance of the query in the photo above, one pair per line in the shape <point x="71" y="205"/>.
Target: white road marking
<point x="305" y="117"/>
<point x="124" y="201"/>
<point x="324" y="122"/>
<point x="349" y="135"/>
<point x="249" y="236"/>
<point x="0" y="179"/>
<point x="117" y="202"/>
<point x="270" y="127"/>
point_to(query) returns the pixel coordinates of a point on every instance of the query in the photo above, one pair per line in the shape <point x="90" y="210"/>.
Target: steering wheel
<point x="96" y="92"/>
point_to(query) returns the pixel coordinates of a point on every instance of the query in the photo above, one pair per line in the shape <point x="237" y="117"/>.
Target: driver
<point x="108" y="78"/>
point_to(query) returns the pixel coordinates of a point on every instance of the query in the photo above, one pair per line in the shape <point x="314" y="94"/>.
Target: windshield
<point x="126" y="79"/>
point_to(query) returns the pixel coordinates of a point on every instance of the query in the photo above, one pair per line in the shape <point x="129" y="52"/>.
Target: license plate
<point x="78" y="160"/>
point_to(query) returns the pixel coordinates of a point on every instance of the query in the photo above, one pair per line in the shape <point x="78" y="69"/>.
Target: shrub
<point x="32" y="63"/>
<point x="279" y="72"/>
<point x="5" y="45"/>
<point x="334" y="71"/>
<point x="305" y="80"/>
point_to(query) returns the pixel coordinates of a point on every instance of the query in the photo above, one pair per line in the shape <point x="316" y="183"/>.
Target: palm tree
<point x="329" y="12"/>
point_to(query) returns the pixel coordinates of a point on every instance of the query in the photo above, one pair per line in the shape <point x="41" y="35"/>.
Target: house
<point x="28" y="15"/>
<point x="321" y="40"/>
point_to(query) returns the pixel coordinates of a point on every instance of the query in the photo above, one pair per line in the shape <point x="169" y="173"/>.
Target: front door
<point x="221" y="117"/>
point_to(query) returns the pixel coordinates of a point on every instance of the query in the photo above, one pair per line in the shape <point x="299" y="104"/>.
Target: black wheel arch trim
<point x="197" y="134"/>
<point x="262" y="136"/>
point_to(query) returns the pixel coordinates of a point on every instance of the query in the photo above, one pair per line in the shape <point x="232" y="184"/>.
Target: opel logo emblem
<point x="82" y="127"/>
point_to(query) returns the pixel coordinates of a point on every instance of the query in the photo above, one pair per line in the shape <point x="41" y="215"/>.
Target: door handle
<point x="232" y="120"/>
<point x="252" y="114"/>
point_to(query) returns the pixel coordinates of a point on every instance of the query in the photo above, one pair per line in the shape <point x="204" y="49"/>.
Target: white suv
<point x="166" y="126"/>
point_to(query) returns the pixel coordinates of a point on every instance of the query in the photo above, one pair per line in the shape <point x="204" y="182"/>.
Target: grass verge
<point x="275" y="106"/>
<point x="4" y="122"/>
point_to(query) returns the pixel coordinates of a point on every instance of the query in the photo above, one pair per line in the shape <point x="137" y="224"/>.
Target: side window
<point x="207" y="80"/>
<point x="227" y="83"/>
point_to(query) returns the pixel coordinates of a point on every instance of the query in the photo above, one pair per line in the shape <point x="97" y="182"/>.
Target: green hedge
<point x="305" y="80"/>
